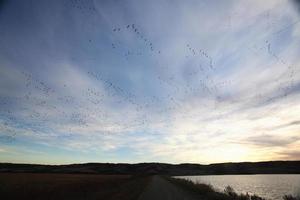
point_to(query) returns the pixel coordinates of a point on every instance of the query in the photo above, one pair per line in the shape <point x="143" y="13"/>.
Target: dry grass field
<point x="23" y="186"/>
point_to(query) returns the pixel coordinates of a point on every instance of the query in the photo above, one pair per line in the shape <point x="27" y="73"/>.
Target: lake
<point x="269" y="186"/>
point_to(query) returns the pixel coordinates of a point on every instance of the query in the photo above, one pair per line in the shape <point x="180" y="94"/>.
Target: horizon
<point x="137" y="81"/>
<point x="121" y="163"/>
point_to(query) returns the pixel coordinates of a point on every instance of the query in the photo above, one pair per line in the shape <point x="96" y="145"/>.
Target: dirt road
<point x="161" y="189"/>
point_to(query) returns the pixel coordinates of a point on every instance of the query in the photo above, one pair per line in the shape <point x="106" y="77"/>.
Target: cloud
<point x="293" y="123"/>
<point x="297" y="4"/>
<point x="271" y="141"/>
<point x="290" y="155"/>
<point x="222" y="78"/>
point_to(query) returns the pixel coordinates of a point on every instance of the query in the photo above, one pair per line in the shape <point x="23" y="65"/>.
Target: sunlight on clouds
<point x="181" y="82"/>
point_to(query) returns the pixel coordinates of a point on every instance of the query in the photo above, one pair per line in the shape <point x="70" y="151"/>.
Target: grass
<point x="290" y="197"/>
<point x="207" y="192"/>
<point x="25" y="186"/>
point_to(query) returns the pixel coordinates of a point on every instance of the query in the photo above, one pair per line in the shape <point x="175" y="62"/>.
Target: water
<point x="267" y="186"/>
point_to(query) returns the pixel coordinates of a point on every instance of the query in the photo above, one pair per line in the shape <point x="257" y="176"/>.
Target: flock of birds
<point x="43" y="103"/>
<point x="133" y="28"/>
<point x="81" y="6"/>
<point x="286" y="81"/>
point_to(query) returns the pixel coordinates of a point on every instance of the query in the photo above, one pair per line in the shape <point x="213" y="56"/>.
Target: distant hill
<point x="271" y="167"/>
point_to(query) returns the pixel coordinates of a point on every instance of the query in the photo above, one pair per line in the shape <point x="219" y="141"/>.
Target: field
<point x="70" y="186"/>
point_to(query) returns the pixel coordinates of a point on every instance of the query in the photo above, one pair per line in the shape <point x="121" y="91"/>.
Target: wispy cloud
<point x="150" y="81"/>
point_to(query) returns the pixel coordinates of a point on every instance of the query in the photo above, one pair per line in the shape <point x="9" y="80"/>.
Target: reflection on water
<point x="268" y="186"/>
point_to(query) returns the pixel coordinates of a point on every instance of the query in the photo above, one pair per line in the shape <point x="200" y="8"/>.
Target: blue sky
<point x="144" y="81"/>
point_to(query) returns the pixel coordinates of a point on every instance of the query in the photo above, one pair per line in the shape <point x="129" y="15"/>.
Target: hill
<point x="270" y="167"/>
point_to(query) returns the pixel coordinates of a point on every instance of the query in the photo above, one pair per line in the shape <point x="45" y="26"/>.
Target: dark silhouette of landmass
<point x="270" y="167"/>
<point x="44" y="186"/>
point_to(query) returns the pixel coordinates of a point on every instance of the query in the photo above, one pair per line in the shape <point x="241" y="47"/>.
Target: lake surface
<point x="268" y="186"/>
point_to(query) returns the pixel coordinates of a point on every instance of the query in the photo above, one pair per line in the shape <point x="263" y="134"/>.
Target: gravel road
<point x="161" y="189"/>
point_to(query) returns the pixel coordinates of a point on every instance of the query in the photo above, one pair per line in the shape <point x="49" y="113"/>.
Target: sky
<point x="129" y="81"/>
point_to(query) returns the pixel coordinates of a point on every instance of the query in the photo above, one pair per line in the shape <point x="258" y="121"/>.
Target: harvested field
<point x="70" y="186"/>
